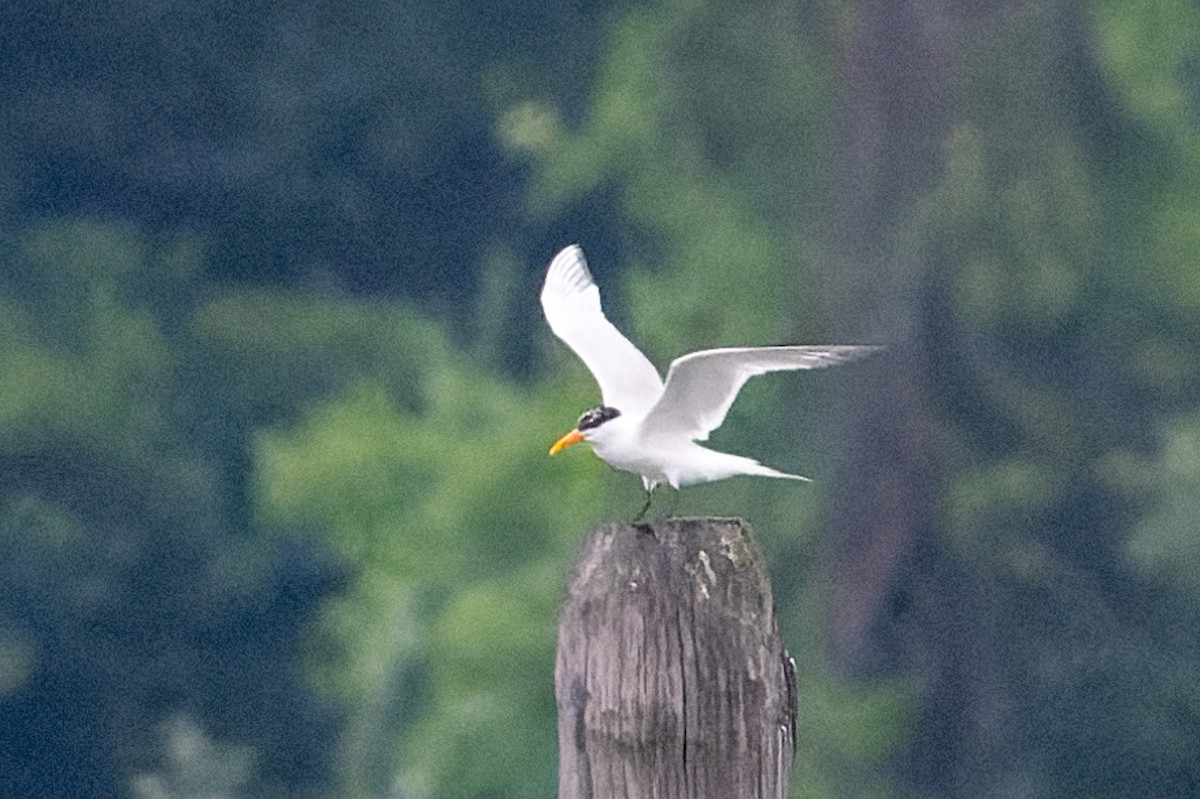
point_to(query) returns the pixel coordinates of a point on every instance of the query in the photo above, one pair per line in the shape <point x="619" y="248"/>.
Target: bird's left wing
<point x="702" y="385"/>
<point x="571" y="302"/>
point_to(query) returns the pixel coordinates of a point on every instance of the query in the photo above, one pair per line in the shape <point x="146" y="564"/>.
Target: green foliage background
<point x="275" y="394"/>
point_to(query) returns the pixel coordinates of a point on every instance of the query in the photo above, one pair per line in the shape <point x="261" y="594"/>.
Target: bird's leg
<point x="649" y="491"/>
<point x="645" y="507"/>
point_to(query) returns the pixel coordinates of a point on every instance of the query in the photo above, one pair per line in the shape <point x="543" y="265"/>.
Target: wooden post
<point x="671" y="679"/>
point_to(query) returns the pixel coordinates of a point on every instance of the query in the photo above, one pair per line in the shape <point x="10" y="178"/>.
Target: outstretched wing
<point x="571" y="302"/>
<point x="702" y="385"/>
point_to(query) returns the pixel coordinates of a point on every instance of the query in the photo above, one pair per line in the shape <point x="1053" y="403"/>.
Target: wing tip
<point x="568" y="272"/>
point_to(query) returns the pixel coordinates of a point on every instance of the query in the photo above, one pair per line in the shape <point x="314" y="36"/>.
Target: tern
<point x="648" y="426"/>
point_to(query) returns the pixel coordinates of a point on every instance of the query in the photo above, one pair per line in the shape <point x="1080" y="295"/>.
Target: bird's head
<point x="589" y="423"/>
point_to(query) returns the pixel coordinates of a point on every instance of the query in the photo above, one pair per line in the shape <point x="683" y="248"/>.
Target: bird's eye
<point x="596" y="417"/>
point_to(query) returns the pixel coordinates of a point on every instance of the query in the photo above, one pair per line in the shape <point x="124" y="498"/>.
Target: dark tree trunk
<point x="895" y="108"/>
<point x="672" y="680"/>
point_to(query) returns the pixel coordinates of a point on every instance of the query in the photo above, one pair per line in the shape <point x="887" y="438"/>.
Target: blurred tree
<point x="196" y="766"/>
<point x="1038" y="355"/>
<point x="131" y="590"/>
<point x="349" y="146"/>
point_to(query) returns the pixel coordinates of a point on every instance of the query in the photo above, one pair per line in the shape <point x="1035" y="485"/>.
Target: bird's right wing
<point x="571" y="302"/>
<point x="702" y="385"/>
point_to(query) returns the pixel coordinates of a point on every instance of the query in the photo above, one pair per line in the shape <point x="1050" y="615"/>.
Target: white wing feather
<point x="571" y="302"/>
<point x="702" y="385"/>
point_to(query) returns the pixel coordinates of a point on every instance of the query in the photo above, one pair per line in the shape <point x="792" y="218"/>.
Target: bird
<point x="649" y="426"/>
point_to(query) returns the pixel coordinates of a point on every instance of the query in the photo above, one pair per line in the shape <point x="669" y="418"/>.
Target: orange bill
<point x="573" y="437"/>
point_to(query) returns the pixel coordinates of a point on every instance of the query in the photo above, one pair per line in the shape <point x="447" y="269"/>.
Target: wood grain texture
<point x="671" y="678"/>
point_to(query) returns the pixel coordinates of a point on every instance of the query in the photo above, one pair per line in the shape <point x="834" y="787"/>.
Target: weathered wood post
<point x="671" y="679"/>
